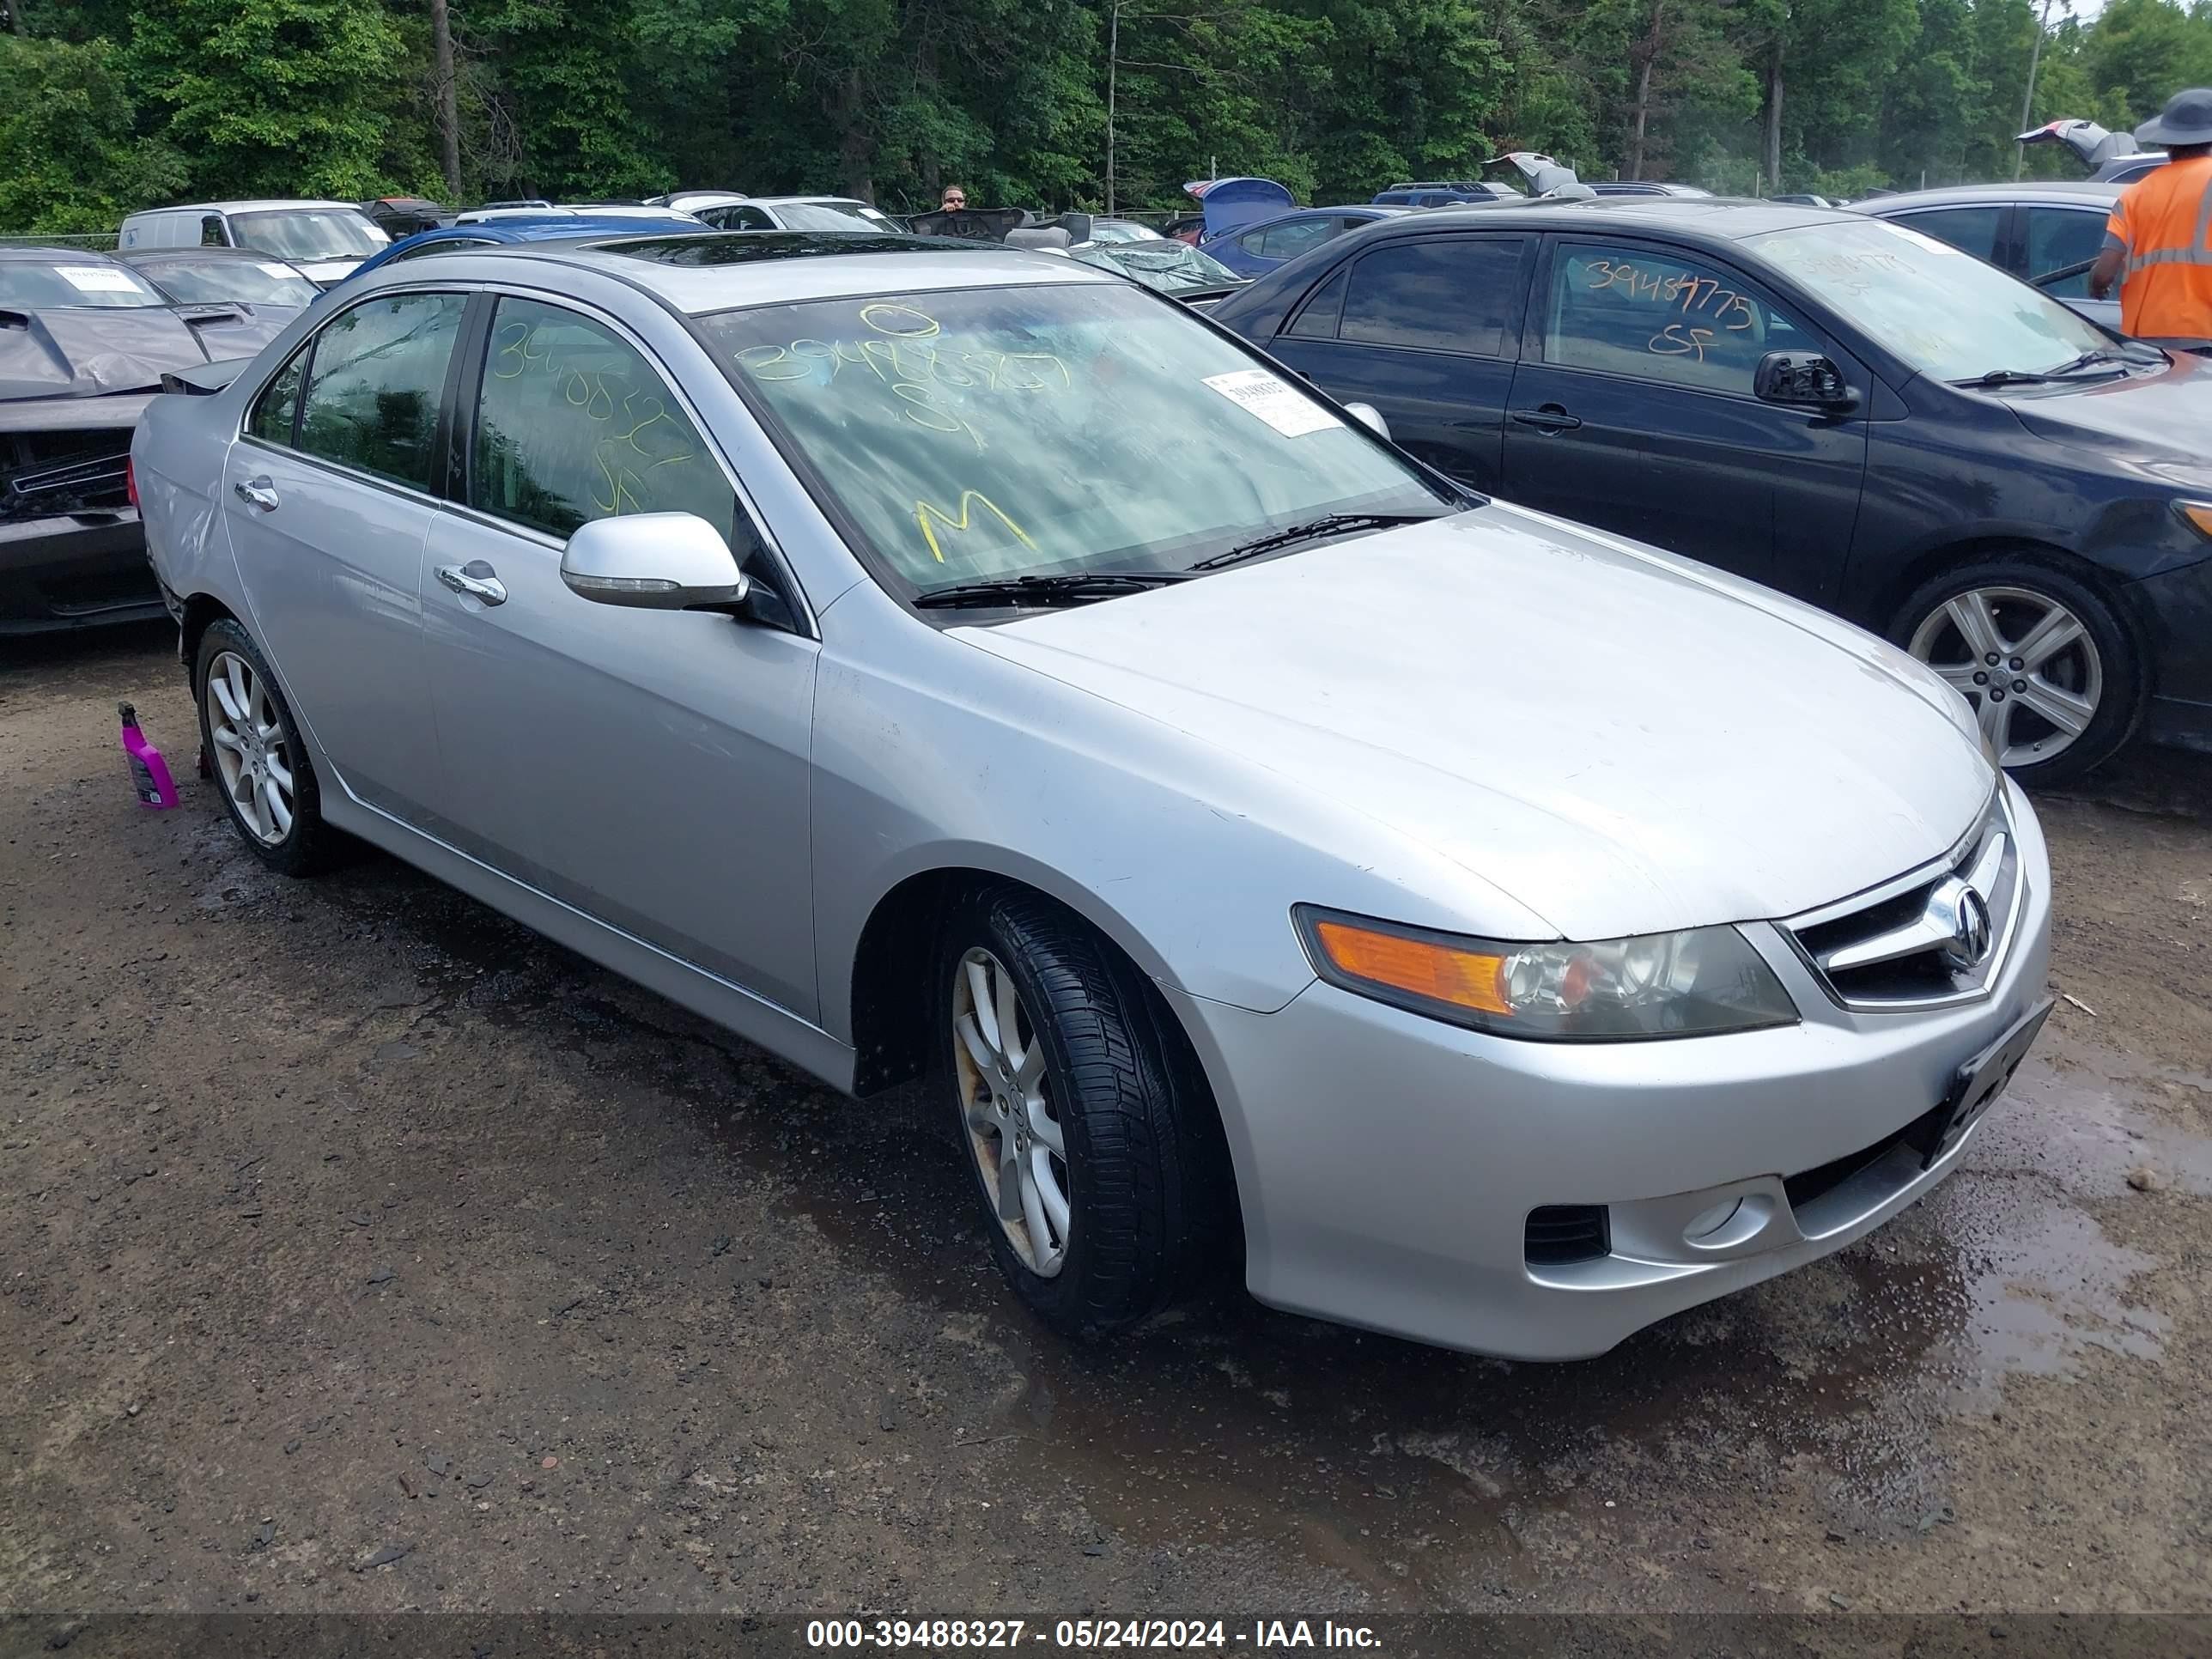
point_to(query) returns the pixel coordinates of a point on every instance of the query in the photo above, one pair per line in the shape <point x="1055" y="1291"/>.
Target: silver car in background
<point x="962" y="663"/>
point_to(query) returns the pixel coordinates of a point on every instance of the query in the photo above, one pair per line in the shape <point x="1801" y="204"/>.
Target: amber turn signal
<point x="2199" y="513"/>
<point x="1421" y="967"/>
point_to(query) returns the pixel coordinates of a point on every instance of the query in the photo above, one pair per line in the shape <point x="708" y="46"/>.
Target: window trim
<point x="2006" y="253"/>
<point x="309" y="348"/>
<point x="467" y="391"/>
<point x="1510" y="348"/>
<point x="1532" y="332"/>
<point x="2026" y="242"/>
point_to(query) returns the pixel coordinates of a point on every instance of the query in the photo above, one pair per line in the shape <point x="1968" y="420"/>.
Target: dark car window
<point x="374" y="388"/>
<point x="573" y="424"/>
<point x="1287" y="241"/>
<point x="2061" y="238"/>
<point x="1969" y="229"/>
<point x="1318" y="320"/>
<point x="279" y="402"/>
<point x="212" y="232"/>
<point x="1657" y="316"/>
<point x="1449" y="294"/>
<point x="736" y="216"/>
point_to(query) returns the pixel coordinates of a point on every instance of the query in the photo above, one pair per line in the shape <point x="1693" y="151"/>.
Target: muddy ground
<point x="345" y="1222"/>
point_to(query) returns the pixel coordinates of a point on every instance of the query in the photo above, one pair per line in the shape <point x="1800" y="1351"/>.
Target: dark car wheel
<point x="260" y="766"/>
<point x="1092" y="1140"/>
<point x="2055" y="674"/>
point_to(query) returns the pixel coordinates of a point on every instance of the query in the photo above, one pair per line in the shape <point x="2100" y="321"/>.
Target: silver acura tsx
<point x="962" y="663"/>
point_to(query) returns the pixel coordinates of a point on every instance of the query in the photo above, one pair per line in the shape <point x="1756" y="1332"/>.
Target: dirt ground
<point x="361" y="1251"/>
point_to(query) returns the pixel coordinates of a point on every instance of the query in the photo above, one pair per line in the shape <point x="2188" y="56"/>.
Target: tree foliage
<point x="117" y="103"/>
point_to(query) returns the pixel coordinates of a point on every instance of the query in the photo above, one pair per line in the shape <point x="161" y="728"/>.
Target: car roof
<point x="1705" y="218"/>
<point x="147" y="256"/>
<point x="813" y="201"/>
<point x="714" y="270"/>
<point x="2074" y="191"/>
<point x="250" y="207"/>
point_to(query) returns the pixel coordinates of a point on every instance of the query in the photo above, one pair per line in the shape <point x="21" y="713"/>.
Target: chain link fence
<point x="102" y="241"/>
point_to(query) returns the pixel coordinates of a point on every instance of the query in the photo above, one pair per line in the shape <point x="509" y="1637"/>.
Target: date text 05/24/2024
<point x="1089" y="1634"/>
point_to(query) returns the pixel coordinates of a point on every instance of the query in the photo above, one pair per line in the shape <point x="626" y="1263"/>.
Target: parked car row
<point x="1690" y="930"/>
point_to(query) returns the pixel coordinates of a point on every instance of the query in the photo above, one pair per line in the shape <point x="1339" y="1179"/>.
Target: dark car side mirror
<point x="1801" y="380"/>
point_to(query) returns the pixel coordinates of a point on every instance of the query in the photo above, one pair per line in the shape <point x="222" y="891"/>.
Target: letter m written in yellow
<point x="929" y="516"/>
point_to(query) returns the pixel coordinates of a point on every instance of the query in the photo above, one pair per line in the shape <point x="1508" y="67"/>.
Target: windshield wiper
<point x="1070" y="587"/>
<point x="2100" y="355"/>
<point x="1334" y="525"/>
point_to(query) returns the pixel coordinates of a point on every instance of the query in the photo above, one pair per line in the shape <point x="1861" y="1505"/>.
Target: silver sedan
<point x="962" y="663"/>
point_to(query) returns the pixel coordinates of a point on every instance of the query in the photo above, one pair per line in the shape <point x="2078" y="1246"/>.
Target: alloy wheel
<point x="2027" y="662"/>
<point x="250" y="756"/>
<point x="1014" y="1131"/>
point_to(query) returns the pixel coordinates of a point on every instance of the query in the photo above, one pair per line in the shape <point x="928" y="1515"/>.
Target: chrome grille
<point x="1935" y="935"/>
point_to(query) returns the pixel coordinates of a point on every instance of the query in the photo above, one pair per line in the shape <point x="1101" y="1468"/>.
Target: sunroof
<point x="739" y="247"/>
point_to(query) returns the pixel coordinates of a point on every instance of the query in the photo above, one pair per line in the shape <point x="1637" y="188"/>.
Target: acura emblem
<point x="1968" y="914"/>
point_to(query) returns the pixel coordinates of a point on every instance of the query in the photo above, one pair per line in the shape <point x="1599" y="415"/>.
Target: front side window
<point x="1945" y="315"/>
<point x="309" y="232"/>
<point x="1654" y="315"/>
<point x="377" y="377"/>
<point x="212" y="234"/>
<point x="736" y="216"/>
<point x="68" y="284"/>
<point x="1453" y="294"/>
<point x="273" y="411"/>
<point x="1060" y="428"/>
<point x="573" y="424"/>
<point x="2062" y="243"/>
<point x="1969" y="229"/>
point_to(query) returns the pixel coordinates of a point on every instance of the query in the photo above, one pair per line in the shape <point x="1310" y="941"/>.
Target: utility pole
<point x="2027" y="101"/>
<point x="1113" y="75"/>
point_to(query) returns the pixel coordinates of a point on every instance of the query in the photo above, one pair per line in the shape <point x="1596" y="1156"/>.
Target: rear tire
<point x="1128" y="1208"/>
<point x="261" y="768"/>
<point x="2054" y="672"/>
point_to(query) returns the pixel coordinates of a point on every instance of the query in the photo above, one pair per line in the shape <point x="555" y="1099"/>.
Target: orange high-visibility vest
<point x="2164" y="220"/>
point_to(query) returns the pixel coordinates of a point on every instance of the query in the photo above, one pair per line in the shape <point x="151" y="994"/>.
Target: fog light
<point x="1709" y="1222"/>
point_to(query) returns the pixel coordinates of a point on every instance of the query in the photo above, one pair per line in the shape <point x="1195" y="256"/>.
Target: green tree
<point x="69" y="161"/>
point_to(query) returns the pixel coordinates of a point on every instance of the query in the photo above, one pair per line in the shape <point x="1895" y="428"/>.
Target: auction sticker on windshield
<point x="1274" y="400"/>
<point x="97" y="279"/>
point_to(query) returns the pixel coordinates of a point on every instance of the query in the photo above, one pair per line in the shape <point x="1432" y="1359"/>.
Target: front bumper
<point x="74" y="571"/>
<point x="1387" y="1164"/>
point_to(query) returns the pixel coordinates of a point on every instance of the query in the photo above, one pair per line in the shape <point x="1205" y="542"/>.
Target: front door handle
<point x="259" y="492"/>
<point x="1548" y="417"/>
<point x="475" y="579"/>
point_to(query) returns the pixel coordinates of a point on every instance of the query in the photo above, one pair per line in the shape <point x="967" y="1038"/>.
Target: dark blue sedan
<point x="1254" y="250"/>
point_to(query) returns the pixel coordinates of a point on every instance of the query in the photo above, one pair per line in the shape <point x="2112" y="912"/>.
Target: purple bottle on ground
<point x="148" y="771"/>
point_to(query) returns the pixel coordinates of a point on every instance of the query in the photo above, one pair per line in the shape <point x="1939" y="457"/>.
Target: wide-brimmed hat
<point x="2186" y="119"/>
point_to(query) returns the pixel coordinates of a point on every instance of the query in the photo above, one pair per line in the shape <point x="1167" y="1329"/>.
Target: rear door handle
<point x="475" y="579"/>
<point x="1551" y="417"/>
<point x="259" y="492"/>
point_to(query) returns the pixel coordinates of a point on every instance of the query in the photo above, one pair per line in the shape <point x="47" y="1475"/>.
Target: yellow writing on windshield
<point x="926" y="511"/>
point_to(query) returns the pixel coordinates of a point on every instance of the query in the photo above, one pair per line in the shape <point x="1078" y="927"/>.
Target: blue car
<point x="1255" y="250"/>
<point x="495" y="232"/>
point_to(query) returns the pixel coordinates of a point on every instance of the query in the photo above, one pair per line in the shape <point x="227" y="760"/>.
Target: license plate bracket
<point x="1977" y="1084"/>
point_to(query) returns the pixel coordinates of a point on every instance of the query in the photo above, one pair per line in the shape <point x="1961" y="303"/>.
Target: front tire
<point x="261" y="768"/>
<point x="1091" y="1138"/>
<point x="2055" y="674"/>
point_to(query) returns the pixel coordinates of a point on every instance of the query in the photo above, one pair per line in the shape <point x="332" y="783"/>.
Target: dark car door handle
<point x="1551" y="417"/>
<point x="475" y="579"/>
<point x="257" y="492"/>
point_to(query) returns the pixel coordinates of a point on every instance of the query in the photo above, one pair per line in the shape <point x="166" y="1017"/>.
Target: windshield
<point x="1170" y="267"/>
<point x="1122" y="230"/>
<point x="308" y="233"/>
<point x="829" y="216"/>
<point x="1063" y="428"/>
<point x="25" y="286"/>
<point x="1944" y="312"/>
<point x="230" y="282"/>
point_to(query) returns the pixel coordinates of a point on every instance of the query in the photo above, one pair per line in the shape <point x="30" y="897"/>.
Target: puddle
<point x="1422" y="1475"/>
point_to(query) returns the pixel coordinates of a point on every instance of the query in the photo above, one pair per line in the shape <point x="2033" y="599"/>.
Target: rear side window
<point x="272" y="419"/>
<point x="573" y="424"/>
<point x="1318" y="320"/>
<point x="1656" y="316"/>
<point x="2062" y="239"/>
<point x="1451" y="294"/>
<point x="1969" y="229"/>
<point x="377" y="377"/>
<point x="1288" y="241"/>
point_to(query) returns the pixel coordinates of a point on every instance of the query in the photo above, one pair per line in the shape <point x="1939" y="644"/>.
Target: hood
<point x="69" y="352"/>
<point x="236" y="328"/>
<point x="1622" y="741"/>
<point x="2151" y="419"/>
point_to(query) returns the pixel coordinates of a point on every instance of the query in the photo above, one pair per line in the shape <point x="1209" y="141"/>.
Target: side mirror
<point x="1369" y="417"/>
<point x="1801" y="380"/>
<point x="653" y="561"/>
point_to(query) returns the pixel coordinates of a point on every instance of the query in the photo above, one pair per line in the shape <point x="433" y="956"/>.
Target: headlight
<point x="1655" y="985"/>
<point x="2198" y="514"/>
